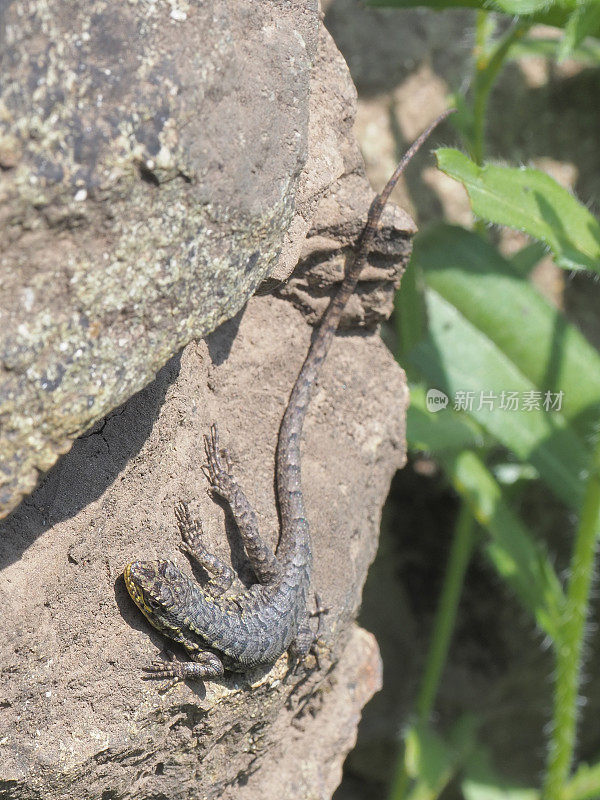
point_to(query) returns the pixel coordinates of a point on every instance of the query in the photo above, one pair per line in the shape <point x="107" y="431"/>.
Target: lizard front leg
<point x="218" y="471"/>
<point x="191" y="532"/>
<point x="205" y="665"/>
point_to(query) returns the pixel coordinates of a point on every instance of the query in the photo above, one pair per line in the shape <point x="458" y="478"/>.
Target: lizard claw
<point x="218" y="468"/>
<point x="190" y="529"/>
<point x="159" y="669"/>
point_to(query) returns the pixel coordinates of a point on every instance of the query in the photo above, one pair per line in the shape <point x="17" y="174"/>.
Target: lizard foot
<point x="221" y="575"/>
<point x="317" y="644"/>
<point x="208" y="665"/>
<point x="190" y="529"/>
<point x="307" y="641"/>
<point x="218" y="469"/>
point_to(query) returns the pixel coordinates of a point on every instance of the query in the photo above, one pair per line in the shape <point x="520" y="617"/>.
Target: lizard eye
<point x="154" y="604"/>
<point x="170" y="571"/>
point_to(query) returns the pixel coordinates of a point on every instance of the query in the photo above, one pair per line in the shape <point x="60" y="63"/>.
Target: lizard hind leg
<point x="304" y="640"/>
<point x="219" y="474"/>
<point x="221" y="575"/>
<point x="307" y="640"/>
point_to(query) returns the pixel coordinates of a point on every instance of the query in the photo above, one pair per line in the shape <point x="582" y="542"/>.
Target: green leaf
<point x="587" y="52"/>
<point x="461" y="361"/>
<point x="463" y="119"/>
<point x="483" y="791"/>
<point x="528" y="257"/>
<point x="518" y="559"/>
<point x="584" y="21"/>
<point x="441" y="430"/>
<point x="429" y="761"/>
<point x="549" y="12"/>
<point x="432" y="761"/>
<point x="520" y="7"/>
<point x="491" y="334"/>
<point x="530" y="201"/>
<point x="514" y="324"/>
<point x="409" y="311"/>
<point x="525" y="7"/>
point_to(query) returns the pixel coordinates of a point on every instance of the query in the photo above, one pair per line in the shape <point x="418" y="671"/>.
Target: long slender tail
<point x="294" y="528"/>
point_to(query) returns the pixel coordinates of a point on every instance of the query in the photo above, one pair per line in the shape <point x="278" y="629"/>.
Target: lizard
<point x="255" y="626"/>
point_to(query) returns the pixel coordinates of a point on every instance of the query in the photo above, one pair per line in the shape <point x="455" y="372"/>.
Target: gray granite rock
<point x="149" y="157"/>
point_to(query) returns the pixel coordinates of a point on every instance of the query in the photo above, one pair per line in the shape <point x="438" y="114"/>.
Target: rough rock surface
<point x="76" y="720"/>
<point x="147" y="176"/>
<point x="332" y="202"/>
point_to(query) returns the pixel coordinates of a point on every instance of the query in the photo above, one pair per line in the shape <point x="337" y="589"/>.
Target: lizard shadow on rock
<point x="219" y="344"/>
<point x="91" y="465"/>
<point x="238" y="558"/>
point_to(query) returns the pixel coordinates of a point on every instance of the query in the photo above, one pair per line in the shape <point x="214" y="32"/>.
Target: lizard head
<point x="155" y="587"/>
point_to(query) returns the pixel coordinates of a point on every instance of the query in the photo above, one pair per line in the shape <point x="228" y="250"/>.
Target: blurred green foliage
<point x="497" y="373"/>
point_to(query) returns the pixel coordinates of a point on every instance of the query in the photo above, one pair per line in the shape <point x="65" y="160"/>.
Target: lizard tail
<point x="294" y="527"/>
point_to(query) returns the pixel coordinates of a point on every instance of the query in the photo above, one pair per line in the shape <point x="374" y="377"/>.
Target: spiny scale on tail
<point x="236" y="632"/>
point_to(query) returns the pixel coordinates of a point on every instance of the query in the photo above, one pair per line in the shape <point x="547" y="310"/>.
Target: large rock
<point x="149" y="156"/>
<point x="77" y="721"/>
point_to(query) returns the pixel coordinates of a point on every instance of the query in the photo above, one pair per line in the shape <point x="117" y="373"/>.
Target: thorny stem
<point x="569" y="647"/>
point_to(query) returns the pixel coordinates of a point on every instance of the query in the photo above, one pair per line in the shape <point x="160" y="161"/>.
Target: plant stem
<point x="569" y="647"/>
<point x="489" y="61"/>
<point x="445" y="619"/>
